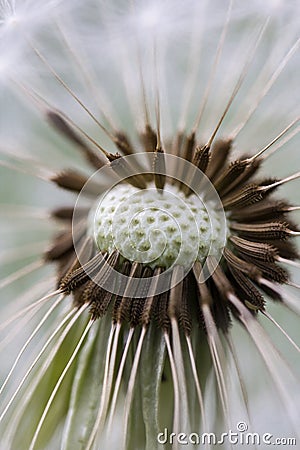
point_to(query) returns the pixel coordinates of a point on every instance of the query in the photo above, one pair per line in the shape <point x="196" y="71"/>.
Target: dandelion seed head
<point x="114" y="347"/>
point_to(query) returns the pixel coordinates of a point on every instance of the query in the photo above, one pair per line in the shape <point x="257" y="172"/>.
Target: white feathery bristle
<point x="25" y="12"/>
<point x="20" y="21"/>
<point x="116" y="63"/>
<point x="143" y="42"/>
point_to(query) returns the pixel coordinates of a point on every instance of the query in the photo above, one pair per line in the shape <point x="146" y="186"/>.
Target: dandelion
<point x="149" y="283"/>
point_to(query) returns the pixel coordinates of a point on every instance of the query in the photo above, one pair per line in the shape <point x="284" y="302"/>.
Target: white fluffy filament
<point x="49" y="340"/>
<point x="178" y="358"/>
<point x="197" y="383"/>
<point x="59" y="382"/>
<point x="131" y="383"/>
<point x="176" y="415"/>
<point x="273" y="360"/>
<point x="21" y="273"/>
<point x="35" y="331"/>
<point x="268" y="315"/>
<point x="28" y="308"/>
<point x="118" y="381"/>
<point x="218" y="358"/>
<point x="214" y="67"/>
<point x="19" y="412"/>
<point x="267" y="87"/>
<point x="110" y="360"/>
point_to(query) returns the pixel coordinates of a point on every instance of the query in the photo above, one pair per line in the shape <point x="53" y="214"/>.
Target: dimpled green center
<point x="156" y="228"/>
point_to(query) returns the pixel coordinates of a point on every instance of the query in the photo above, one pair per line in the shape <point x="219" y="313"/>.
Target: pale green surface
<point x="154" y="228"/>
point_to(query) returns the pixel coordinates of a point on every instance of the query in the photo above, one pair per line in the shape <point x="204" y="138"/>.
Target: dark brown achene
<point x="251" y="255"/>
